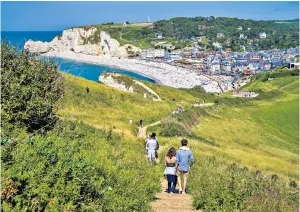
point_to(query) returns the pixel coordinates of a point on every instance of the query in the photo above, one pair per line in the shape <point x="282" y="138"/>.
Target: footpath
<point x="165" y="202"/>
<point x="143" y="130"/>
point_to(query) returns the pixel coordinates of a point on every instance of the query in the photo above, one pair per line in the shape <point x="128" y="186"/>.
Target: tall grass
<point x="76" y="167"/>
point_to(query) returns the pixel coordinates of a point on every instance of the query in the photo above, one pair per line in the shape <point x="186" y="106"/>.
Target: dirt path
<point x="203" y="105"/>
<point x="143" y="130"/>
<point x="149" y="90"/>
<point x="165" y="202"/>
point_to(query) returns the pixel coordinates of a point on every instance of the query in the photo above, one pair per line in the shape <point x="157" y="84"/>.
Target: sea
<point x="79" y="69"/>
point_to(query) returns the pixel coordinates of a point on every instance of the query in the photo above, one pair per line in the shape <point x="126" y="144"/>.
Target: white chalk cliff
<point x="83" y="41"/>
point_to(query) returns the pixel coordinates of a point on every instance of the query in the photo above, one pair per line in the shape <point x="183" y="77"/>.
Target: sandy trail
<point x="171" y="202"/>
<point x="143" y="130"/>
<point x="165" y="202"/>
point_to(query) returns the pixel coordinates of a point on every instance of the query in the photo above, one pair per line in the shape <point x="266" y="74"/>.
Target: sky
<point x="50" y="16"/>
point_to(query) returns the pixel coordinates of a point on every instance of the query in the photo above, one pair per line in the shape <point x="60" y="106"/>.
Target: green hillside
<point x="105" y="106"/>
<point x="179" y="31"/>
<point x="80" y="153"/>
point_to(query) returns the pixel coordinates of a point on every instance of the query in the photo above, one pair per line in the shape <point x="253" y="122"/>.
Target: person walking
<point x="184" y="160"/>
<point x="141" y="123"/>
<point x="151" y="147"/>
<point x="157" y="147"/>
<point x="170" y="169"/>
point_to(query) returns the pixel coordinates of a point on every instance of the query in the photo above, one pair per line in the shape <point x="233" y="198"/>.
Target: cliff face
<point x="80" y="40"/>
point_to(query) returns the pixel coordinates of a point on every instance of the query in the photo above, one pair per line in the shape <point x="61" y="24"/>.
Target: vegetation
<point x="75" y="167"/>
<point x="223" y="186"/>
<point x="179" y="31"/>
<point x="278" y="35"/>
<point x="105" y="106"/>
<point x="246" y="150"/>
<point x="30" y="89"/>
<point x="70" y="166"/>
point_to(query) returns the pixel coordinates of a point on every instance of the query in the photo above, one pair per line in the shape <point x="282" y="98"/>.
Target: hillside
<point x="243" y="129"/>
<point x="81" y="153"/>
<point x="107" y="107"/>
<point x="179" y="31"/>
<point x="236" y="136"/>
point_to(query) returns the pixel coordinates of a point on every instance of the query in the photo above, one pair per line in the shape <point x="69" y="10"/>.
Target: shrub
<point x="75" y="168"/>
<point x="180" y="124"/>
<point x="223" y="186"/>
<point x="30" y="90"/>
<point x="171" y="127"/>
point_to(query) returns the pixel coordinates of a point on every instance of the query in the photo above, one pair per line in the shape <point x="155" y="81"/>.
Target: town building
<point x="220" y="35"/>
<point x="173" y="56"/>
<point x="147" y="53"/>
<point x="240" y="28"/>
<point x="126" y="23"/>
<point x="242" y="36"/>
<point x="151" y="26"/>
<point x="217" y="44"/>
<point x="159" y="35"/>
<point x="262" y="35"/>
<point x="152" y="53"/>
<point x="228" y="50"/>
<point x="294" y="66"/>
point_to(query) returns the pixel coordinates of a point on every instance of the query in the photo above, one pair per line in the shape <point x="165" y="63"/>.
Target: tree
<point x="30" y="90"/>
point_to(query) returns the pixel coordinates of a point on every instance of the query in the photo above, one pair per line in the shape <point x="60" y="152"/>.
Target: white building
<point x="147" y="53"/>
<point x="152" y="53"/>
<point x="262" y="35"/>
<point x="242" y="36"/>
<point x="240" y="28"/>
<point x="126" y="23"/>
<point x="159" y="53"/>
<point x="249" y="28"/>
<point x="174" y="56"/>
<point x="217" y="45"/>
<point x="159" y="35"/>
<point x="214" y="67"/>
<point x="220" y="35"/>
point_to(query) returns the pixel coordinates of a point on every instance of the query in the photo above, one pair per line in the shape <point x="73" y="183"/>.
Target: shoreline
<point x="161" y="73"/>
<point x="111" y="66"/>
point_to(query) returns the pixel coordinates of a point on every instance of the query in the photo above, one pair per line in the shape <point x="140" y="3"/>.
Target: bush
<point x="171" y="127"/>
<point x="220" y="186"/>
<point x="180" y="124"/>
<point x="75" y="167"/>
<point x="30" y="90"/>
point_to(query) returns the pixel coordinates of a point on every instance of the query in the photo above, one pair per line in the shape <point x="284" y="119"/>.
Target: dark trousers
<point x="172" y="180"/>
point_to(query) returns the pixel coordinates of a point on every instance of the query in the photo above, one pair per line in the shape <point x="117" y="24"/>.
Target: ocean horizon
<point x="80" y="69"/>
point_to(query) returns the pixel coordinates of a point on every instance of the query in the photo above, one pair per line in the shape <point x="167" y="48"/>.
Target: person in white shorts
<point x="151" y="147"/>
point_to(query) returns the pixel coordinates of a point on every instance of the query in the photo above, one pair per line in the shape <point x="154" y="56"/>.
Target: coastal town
<point x="217" y="68"/>
<point x="225" y="62"/>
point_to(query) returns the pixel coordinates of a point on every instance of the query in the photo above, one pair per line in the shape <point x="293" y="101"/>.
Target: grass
<point x="260" y="134"/>
<point x="105" y="106"/>
<point x="264" y="135"/>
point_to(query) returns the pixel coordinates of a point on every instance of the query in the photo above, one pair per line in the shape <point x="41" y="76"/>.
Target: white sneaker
<point x="183" y="192"/>
<point x="180" y="190"/>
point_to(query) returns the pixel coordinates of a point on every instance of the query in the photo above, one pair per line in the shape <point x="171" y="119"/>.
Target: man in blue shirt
<point x="184" y="160"/>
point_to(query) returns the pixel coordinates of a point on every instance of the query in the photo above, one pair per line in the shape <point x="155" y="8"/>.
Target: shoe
<point x="180" y="190"/>
<point x="183" y="192"/>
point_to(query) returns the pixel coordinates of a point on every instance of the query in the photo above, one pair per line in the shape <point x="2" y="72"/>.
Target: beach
<point x="162" y="73"/>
